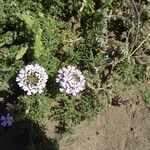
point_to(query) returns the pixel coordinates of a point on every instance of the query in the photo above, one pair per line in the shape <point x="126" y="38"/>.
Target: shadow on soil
<point x="26" y="135"/>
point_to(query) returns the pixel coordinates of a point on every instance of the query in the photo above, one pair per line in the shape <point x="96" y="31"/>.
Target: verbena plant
<point x="55" y="34"/>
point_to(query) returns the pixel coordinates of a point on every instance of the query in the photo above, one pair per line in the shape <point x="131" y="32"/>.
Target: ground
<point x="124" y="127"/>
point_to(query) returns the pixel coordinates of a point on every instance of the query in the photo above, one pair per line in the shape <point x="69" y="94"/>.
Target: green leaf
<point x="38" y="46"/>
<point x="29" y="20"/>
<point x="21" y="52"/>
<point x="108" y="2"/>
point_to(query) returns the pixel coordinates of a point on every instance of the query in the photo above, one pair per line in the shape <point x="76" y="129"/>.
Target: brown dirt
<point x="126" y="127"/>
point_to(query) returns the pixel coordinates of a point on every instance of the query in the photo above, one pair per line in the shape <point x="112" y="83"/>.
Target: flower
<point x="70" y="80"/>
<point x="9" y="107"/>
<point x="6" y="120"/>
<point x="32" y="79"/>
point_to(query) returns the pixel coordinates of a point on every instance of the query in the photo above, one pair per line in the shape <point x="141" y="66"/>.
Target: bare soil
<point x="123" y="127"/>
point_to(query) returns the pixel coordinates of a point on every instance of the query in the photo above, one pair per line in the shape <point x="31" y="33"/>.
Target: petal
<point x="36" y="66"/>
<point x="61" y="90"/>
<point x="25" y="88"/>
<point x="3" y="118"/>
<point x="57" y="80"/>
<point x="63" y="84"/>
<point x="9" y="123"/>
<point x="8" y="116"/>
<point x="20" y="84"/>
<point x="74" y="93"/>
<point x="29" y="93"/>
<point x="40" y="91"/>
<point x="60" y="71"/>
<point x="4" y="123"/>
<point x="21" y="76"/>
<point x="17" y="79"/>
<point x="22" y="71"/>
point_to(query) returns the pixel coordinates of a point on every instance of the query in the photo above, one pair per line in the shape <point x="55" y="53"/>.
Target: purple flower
<point x="9" y="107"/>
<point x="6" y="120"/>
<point x="32" y="79"/>
<point x="70" y="80"/>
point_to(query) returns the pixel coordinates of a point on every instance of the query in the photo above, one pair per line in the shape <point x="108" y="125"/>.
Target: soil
<point x="123" y="127"/>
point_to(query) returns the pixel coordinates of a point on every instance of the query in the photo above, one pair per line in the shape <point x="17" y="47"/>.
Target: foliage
<point x="146" y="96"/>
<point x="59" y="33"/>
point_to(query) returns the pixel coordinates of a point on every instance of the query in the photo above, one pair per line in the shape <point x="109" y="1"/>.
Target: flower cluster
<point x="9" y="107"/>
<point x="32" y="79"/>
<point x="6" y="120"/>
<point x="70" y="80"/>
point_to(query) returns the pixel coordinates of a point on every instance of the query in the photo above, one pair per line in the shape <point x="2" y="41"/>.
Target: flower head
<point x="6" y="120"/>
<point x="32" y="79"/>
<point x="70" y="80"/>
<point x="9" y="107"/>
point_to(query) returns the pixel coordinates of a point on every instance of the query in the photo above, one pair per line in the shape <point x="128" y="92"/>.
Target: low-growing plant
<point x="146" y="96"/>
<point x="90" y="35"/>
